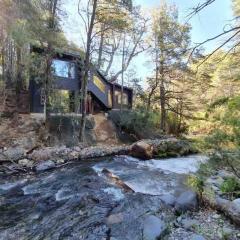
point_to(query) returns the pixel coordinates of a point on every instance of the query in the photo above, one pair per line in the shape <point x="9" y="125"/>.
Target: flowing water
<point x="73" y="202"/>
<point x="154" y="177"/>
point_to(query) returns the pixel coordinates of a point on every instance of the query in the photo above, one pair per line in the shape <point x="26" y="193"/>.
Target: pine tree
<point x="170" y="40"/>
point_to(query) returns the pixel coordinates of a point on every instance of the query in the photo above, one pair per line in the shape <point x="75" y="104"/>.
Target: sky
<point x="208" y="23"/>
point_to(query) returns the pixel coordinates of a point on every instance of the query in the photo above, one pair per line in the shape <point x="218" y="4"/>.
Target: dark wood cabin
<point x="102" y="94"/>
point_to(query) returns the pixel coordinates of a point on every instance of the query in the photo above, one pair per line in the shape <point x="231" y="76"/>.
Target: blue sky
<point x="206" y="24"/>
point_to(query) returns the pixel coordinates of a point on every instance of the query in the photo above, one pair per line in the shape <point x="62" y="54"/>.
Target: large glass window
<point x="118" y="98"/>
<point x="63" y="68"/>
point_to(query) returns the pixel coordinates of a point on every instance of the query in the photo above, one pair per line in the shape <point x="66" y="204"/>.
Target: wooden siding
<point x="100" y="92"/>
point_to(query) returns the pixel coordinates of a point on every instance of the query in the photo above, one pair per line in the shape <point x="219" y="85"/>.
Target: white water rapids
<point x="154" y="177"/>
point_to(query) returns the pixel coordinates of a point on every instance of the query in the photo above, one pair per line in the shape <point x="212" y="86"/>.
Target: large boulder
<point x="217" y="201"/>
<point x="234" y="211"/>
<point x="153" y="228"/>
<point x="142" y="150"/>
<point x="187" y="201"/>
<point x="172" y="147"/>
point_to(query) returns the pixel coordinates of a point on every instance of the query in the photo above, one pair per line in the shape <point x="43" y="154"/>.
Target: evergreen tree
<point x="170" y="40"/>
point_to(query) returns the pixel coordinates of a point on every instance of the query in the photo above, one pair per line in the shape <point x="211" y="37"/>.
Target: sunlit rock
<point x="44" y="166"/>
<point x="142" y="150"/>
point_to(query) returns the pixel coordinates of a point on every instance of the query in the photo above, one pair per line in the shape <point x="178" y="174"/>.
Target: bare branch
<point x="218" y="48"/>
<point x="199" y="8"/>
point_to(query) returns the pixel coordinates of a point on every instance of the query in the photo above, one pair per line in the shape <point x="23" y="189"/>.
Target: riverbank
<point x="18" y="159"/>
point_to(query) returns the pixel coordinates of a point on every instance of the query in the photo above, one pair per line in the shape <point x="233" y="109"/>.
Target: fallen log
<point x="116" y="180"/>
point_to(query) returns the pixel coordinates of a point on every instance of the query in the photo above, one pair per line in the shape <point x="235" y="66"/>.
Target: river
<point x="75" y="201"/>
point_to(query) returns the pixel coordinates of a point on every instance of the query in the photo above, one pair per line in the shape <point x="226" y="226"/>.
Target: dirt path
<point x="105" y="130"/>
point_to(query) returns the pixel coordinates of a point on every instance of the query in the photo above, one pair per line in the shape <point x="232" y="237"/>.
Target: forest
<point x="99" y="79"/>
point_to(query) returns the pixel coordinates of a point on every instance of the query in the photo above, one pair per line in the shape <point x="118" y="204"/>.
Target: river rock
<point x="222" y="204"/>
<point x="25" y="163"/>
<point x="48" y="153"/>
<point x="44" y="166"/>
<point x="153" y="228"/>
<point x="198" y="237"/>
<point x="186" y="201"/>
<point x="103" y="151"/>
<point x="115" y="219"/>
<point x="189" y="223"/>
<point x="225" y="174"/>
<point x="230" y="208"/>
<point x="215" y="182"/>
<point x="227" y="231"/>
<point x="12" y="154"/>
<point x="168" y="199"/>
<point x="142" y="150"/>
<point x="234" y="211"/>
<point x="42" y="154"/>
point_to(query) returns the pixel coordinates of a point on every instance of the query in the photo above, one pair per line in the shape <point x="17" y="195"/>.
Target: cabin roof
<point x="69" y="53"/>
<point x="109" y="82"/>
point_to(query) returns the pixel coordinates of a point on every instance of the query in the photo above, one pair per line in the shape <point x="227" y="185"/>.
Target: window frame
<point x="71" y="68"/>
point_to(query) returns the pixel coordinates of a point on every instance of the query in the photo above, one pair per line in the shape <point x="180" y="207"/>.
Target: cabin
<point x="102" y="95"/>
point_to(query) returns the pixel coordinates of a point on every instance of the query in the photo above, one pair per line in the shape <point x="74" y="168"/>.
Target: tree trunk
<point x="162" y="100"/>
<point x="49" y="52"/>
<point x="18" y="77"/>
<point x="123" y="66"/>
<point x="86" y="72"/>
<point x="47" y="87"/>
<point x="101" y="47"/>
<point x="3" y="54"/>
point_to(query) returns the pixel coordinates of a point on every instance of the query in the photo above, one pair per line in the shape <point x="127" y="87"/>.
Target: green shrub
<point x="199" y="144"/>
<point x="230" y="185"/>
<point x="229" y="160"/>
<point x="141" y="124"/>
<point x="145" y="124"/>
<point x="195" y="182"/>
<point x="174" y="126"/>
<point x="225" y="139"/>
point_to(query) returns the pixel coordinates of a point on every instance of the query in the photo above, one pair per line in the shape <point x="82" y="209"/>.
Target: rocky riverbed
<point x="20" y="159"/>
<point x="81" y="201"/>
